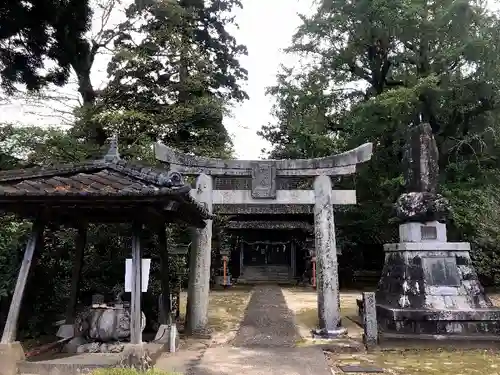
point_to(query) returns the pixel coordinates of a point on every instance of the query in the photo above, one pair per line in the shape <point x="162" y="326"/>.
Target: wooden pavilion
<point x="109" y="190"/>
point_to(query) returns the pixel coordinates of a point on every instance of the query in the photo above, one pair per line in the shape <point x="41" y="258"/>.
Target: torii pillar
<point x="238" y="187"/>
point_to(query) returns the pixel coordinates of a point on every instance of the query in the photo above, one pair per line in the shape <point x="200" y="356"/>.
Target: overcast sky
<point x="266" y="28"/>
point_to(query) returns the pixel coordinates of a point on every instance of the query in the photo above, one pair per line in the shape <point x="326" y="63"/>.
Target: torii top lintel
<point x="339" y="164"/>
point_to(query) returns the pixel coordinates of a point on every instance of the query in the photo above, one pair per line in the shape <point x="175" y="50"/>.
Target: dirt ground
<point x="302" y="301"/>
<point x="225" y="312"/>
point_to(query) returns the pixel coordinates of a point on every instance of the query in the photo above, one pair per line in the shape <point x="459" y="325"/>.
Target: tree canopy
<point x="38" y="40"/>
<point x="173" y="74"/>
<point x="376" y="67"/>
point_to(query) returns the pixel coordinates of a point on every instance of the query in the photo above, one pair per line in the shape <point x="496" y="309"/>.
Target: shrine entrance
<point x="261" y="253"/>
<point x="254" y="255"/>
<point x="268" y="196"/>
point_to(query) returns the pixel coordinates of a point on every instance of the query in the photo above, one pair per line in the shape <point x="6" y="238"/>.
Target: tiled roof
<point x="101" y="178"/>
<point x="94" y="178"/>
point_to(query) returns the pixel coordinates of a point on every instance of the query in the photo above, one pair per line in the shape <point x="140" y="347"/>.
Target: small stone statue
<point x="421" y="202"/>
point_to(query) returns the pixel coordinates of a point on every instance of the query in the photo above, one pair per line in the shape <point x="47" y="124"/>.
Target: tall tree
<point x="374" y="68"/>
<point x="35" y="32"/>
<point x="173" y="83"/>
<point x="60" y="103"/>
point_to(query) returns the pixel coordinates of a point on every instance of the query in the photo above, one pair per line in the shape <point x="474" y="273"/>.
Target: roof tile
<point x="98" y="178"/>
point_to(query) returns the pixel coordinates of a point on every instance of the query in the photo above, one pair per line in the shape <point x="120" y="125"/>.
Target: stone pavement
<point x="268" y="322"/>
<point x="264" y="344"/>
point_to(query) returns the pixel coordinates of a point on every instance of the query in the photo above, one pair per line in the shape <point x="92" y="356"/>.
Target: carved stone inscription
<point x="428" y="232"/>
<point x="263" y="180"/>
<point x="441" y="271"/>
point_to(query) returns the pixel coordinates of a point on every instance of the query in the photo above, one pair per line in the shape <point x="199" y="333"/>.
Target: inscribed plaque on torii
<point x="263" y="180"/>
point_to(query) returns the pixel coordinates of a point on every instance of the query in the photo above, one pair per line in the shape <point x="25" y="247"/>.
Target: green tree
<point x="34" y="32"/>
<point x="374" y="68"/>
<point x="174" y="84"/>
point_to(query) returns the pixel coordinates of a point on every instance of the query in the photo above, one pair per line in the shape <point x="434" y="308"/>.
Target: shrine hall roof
<point x="108" y="180"/>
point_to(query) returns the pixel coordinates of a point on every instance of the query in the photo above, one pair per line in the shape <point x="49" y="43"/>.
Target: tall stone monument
<point x="428" y="285"/>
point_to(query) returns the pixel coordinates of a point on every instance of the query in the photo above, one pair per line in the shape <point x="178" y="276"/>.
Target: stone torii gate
<point x="234" y="187"/>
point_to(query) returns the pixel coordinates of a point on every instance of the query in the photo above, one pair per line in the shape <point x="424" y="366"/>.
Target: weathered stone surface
<point x="262" y="209"/>
<point x="106" y="324"/>
<point x="10" y="354"/>
<point x="428" y="285"/>
<point x="100" y="347"/>
<point x="421" y="201"/>
<point x="370" y="327"/>
<point x="421" y="160"/>
<point x="422" y="207"/>
<point x="327" y="281"/>
<point x="73" y="344"/>
<point x="234" y="194"/>
<point x="432" y="288"/>
<point x="282" y="197"/>
<point x="66" y="331"/>
<point x="136" y="356"/>
<point x="416" y="232"/>
<point x="199" y="277"/>
<point x="168" y="335"/>
<point x="270" y="225"/>
<point x="263" y="180"/>
<point x="329" y="165"/>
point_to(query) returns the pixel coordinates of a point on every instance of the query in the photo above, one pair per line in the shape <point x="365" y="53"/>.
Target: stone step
<point x="267" y="269"/>
<point x="246" y="275"/>
<point x="254" y="282"/>
<point x="74" y="365"/>
<point x="78" y="364"/>
<point x="266" y="277"/>
<point x="267" y="273"/>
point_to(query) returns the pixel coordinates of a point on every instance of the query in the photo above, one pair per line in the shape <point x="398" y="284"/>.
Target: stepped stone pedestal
<point x="429" y="286"/>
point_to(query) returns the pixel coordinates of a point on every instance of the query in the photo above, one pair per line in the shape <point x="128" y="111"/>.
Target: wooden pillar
<point x="326" y="258"/>
<point x="10" y="329"/>
<point x="200" y="259"/>
<point x="166" y="314"/>
<point x="80" y="243"/>
<point x="135" y="302"/>
<point x="293" y="258"/>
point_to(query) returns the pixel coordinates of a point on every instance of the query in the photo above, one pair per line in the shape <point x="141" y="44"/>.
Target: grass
<point x="303" y="302"/>
<point x="226" y="307"/>
<point x="408" y="362"/>
<point x="425" y="362"/>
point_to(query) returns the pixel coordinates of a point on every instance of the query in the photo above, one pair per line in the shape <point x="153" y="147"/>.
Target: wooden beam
<point x="135" y="305"/>
<point x="80" y="243"/>
<point x="10" y="329"/>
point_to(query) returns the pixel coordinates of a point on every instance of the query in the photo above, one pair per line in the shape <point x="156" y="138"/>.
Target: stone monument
<point x="428" y="285"/>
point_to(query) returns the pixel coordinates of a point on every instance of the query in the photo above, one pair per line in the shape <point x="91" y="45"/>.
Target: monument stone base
<point x="430" y="287"/>
<point x="10" y="354"/>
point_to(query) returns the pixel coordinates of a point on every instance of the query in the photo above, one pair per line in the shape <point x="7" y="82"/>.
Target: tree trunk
<point x="82" y="65"/>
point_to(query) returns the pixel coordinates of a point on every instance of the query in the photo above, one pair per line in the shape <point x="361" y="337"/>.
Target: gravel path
<point x="264" y="344"/>
<point x="268" y="322"/>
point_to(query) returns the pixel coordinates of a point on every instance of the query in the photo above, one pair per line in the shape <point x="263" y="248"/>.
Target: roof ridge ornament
<point x="113" y="154"/>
